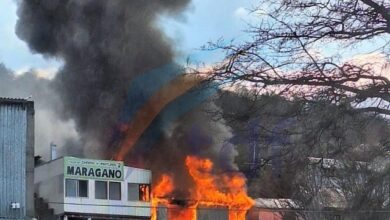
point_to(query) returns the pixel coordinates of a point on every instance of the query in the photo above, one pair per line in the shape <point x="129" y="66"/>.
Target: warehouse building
<point x="16" y="159"/>
<point x="76" y="188"/>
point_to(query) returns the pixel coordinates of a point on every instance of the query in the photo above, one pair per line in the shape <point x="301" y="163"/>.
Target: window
<point x="114" y="191"/>
<point x="144" y="192"/>
<point x="76" y="188"/>
<point x="101" y="190"/>
<point x="107" y="190"/>
<point x="70" y="188"/>
<point x="83" y="188"/>
<point x="132" y="192"/>
<point x="138" y="192"/>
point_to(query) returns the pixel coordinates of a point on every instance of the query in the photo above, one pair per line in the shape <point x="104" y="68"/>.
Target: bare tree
<point x="299" y="48"/>
<point x="329" y="160"/>
<point x="308" y="50"/>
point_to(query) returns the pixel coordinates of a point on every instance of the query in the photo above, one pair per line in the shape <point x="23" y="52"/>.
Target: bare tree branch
<point x="282" y="57"/>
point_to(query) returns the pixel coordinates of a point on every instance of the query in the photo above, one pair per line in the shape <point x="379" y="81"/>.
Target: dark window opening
<point x="101" y="190"/>
<point x="114" y="191"/>
<point x="132" y="192"/>
<point x="76" y="188"/>
<point x="83" y="188"/>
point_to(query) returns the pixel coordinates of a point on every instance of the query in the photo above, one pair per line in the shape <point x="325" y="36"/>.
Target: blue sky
<point x="204" y="21"/>
<point x="208" y="21"/>
<point x="14" y="53"/>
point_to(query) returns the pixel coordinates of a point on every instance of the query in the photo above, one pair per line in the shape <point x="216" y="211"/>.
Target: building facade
<point x="76" y="188"/>
<point x="16" y="159"/>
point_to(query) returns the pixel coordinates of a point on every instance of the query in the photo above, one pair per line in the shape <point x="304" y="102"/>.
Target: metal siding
<point x="13" y="140"/>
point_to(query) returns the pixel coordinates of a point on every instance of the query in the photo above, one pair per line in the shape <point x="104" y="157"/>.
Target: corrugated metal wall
<point x="13" y="142"/>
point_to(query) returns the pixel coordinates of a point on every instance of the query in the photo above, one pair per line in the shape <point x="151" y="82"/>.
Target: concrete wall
<point x="16" y="158"/>
<point x="49" y="184"/>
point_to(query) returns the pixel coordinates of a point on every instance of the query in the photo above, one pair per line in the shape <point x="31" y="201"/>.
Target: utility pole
<point x="254" y="135"/>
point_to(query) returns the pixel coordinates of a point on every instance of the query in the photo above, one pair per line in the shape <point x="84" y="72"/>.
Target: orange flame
<point x="159" y="193"/>
<point x="211" y="190"/>
<point x="181" y="213"/>
<point x="219" y="190"/>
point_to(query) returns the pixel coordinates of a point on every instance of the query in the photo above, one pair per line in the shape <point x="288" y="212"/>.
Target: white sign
<point x="78" y="168"/>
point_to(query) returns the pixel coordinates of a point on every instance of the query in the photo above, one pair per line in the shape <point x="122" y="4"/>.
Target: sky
<point x="14" y="53"/>
<point x="204" y="21"/>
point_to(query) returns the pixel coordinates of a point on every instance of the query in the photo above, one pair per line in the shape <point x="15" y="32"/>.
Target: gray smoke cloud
<point x="104" y="44"/>
<point x="196" y="134"/>
<point x="48" y="127"/>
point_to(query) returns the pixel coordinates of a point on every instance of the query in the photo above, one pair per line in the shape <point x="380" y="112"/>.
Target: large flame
<point x="160" y="193"/>
<point x="226" y="190"/>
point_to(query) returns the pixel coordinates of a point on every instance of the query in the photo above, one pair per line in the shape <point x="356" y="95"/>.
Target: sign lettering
<point x="92" y="169"/>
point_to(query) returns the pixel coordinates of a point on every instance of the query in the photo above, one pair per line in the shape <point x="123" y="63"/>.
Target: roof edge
<point x="8" y="100"/>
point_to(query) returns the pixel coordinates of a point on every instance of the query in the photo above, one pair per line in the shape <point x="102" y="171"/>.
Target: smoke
<point x="111" y="51"/>
<point x="196" y="134"/>
<point x="48" y="127"/>
<point x="104" y="45"/>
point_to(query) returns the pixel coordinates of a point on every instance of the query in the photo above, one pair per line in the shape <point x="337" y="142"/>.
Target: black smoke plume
<point x="104" y="45"/>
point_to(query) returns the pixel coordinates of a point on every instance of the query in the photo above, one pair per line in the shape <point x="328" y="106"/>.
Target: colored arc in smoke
<point x="150" y="110"/>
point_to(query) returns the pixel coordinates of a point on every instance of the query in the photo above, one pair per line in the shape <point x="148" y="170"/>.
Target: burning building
<point x="213" y="196"/>
<point x="95" y="189"/>
<point x="75" y="188"/>
<point x="16" y="159"/>
<point x="129" y="100"/>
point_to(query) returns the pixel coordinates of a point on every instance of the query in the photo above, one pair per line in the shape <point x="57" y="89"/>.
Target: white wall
<point x="113" y="207"/>
<point x="49" y="186"/>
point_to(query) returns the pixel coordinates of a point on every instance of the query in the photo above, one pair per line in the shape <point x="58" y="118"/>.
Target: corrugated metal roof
<point x="14" y="100"/>
<point x="275" y="203"/>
